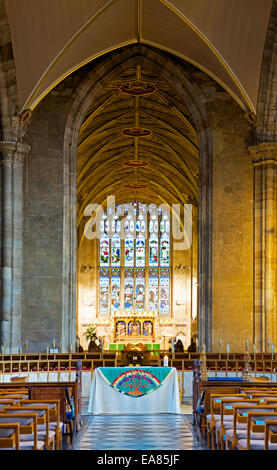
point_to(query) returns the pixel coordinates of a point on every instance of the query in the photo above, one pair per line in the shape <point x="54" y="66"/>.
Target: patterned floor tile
<point x="140" y="432"/>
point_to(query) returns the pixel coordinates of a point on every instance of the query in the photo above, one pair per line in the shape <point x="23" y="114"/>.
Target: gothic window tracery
<point x="135" y="270"/>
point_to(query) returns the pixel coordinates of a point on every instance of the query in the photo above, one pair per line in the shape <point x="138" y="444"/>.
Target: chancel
<point x="138" y="224"/>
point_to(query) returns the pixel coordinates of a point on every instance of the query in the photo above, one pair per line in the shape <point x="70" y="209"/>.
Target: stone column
<point x="265" y="244"/>
<point x="12" y="158"/>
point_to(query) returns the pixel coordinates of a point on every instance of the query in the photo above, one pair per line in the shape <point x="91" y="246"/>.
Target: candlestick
<point x="220" y="345"/>
<point x="269" y="344"/>
<point x="203" y="364"/>
<point x="2" y="349"/>
<point x="71" y="347"/>
<point x="255" y="350"/>
<point x="246" y="374"/>
<point x="165" y="361"/>
<point x="20" y="350"/>
<point x="47" y="350"/>
<point x="196" y="344"/>
<point x="272" y="350"/>
<point x="53" y="343"/>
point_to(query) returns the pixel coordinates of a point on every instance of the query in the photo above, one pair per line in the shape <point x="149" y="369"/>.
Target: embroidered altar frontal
<point x="134" y="390"/>
<point x="135" y="382"/>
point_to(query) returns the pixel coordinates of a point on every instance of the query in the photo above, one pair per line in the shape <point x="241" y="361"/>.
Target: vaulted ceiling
<point x="160" y="167"/>
<point x="224" y="38"/>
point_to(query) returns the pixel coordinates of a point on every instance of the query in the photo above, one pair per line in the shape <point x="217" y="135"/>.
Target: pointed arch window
<point x="135" y="260"/>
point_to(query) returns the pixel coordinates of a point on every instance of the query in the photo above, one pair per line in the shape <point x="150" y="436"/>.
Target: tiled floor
<point x="153" y="432"/>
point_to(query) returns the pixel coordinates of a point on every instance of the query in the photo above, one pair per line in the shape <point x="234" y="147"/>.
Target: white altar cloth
<point x="104" y="399"/>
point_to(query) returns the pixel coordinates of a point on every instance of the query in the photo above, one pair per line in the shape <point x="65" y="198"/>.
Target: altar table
<point x="134" y="390"/>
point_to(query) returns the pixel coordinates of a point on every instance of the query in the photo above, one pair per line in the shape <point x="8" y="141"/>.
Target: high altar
<point x="143" y="327"/>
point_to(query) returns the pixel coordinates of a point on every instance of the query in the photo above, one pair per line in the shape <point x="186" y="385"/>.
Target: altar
<point x="135" y="327"/>
<point x="134" y="390"/>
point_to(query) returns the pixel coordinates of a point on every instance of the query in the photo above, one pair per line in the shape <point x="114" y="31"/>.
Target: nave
<point x="143" y="432"/>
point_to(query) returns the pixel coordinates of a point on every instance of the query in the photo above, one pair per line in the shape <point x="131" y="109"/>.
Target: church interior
<point x="138" y="223"/>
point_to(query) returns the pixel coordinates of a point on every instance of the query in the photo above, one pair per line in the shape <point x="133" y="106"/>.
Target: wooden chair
<point x="226" y="421"/>
<point x="9" y="436"/>
<point x="5" y="403"/>
<point x="214" y="416"/>
<point x="42" y="412"/>
<point x="256" y="424"/>
<point x="54" y="417"/>
<point x="27" y="426"/>
<point x="270" y="433"/>
<point x="241" y="413"/>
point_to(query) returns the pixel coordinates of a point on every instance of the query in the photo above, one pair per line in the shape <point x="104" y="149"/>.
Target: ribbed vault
<point x="166" y="161"/>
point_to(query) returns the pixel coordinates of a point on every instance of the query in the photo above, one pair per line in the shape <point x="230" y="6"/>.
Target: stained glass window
<point x="164" y="251"/>
<point x="153" y="290"/>
<point x="104" y="291"/>
<point x="140" y="290"/>
<point x="129" y="251"/>
<point x="115" y="290"/>
<point x="140" y="251"/>
<point x="129" y="290"/>
<point x="104" y="250"/>
<point x="153" y="250"/>
<point x="134" y="251"/>
<point x="164" y="291"/>
<point x="115" y="250"/>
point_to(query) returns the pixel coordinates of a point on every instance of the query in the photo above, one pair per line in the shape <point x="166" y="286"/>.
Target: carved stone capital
<point x="264" y="153"/>
<point x="13" y="152"/>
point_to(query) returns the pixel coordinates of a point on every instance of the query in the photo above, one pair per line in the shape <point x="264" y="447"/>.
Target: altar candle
<point x="2" y="349"/>
<point x="220" y="345"/>
<point x="53" y="344"/>
<point x="165" y="361"/>
<point x="228" y="351"/>
<point x="47" y="350"/>
<point x="255" y="350"/>
<point x="197" y="344"/>
<point x="272" y="350"/>
<point x="26" y="344"/>
<point x="20" y="350"/>
<point x="71" y="347"/>
<point x="269" y="343"/>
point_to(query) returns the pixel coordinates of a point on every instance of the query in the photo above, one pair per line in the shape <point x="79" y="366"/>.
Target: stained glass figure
<point x="140" y="290"/>
<point x="140" y="252"/>
<point x="164" y="291"/>
<point x="153" y="250"/>
<point x="104" y="291"/>
<point x="104" y="250"/>
<point x="164" y="253"/>
<point x="129" y="251"/>
<point x="115" y="290"/>
<point x="115" y="250"/>
<point x="128" y="290"/>
<point x="153" y="290"/>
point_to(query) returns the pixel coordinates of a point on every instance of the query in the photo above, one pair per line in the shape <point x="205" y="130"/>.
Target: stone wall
<point x="232" y="239"/>
<point x="43" y="225"/>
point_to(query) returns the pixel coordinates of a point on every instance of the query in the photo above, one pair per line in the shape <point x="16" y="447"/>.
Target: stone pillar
<point x="13" y="154"/>
<point x="265" y="244"/>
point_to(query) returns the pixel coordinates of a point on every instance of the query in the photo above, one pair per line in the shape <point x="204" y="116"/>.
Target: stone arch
<point x="181" y="78"/>
<point x="267" y="99"/>
<point x="8" y="86"/>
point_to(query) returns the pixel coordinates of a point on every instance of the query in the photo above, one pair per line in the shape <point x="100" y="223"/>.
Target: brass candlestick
<point x="246" y="374"/>
<point x="203" y="366"/>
